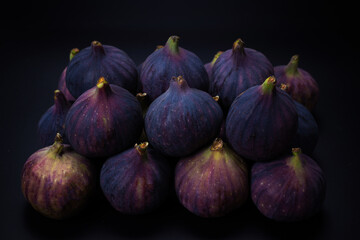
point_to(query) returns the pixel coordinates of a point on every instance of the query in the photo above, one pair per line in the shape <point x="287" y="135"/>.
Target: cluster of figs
<point x="218" y="134"/>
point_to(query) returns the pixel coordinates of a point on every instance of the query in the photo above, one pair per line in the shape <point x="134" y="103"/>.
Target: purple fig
<point x="57" y="181"/>
<point x="62" y="81"/>
<point x="262" y="122"/>
<point x="98" y="61"/>
<point x="208" y="66"/>
<point x="136" y="181"/>
<point x="212" y="182"/>
<point x="143" y="99"/>
<point x="182" y="119"/>
<point x="169" y="61"/>
<point x="53" y="120"/>
<point x="103" y="121"/>
<point x="291" y="188"/>
<point x="236" y="70"/>
<point x="300" y="84"/>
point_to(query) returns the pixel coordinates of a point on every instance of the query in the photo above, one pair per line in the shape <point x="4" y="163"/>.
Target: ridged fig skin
<point x="307" y="133"/>
<point x="97" y="61"/>
<point x="236" y="70"/>
<point x="62" y="87"/>
<point x="136" y="183"/>
<point x="212" y="183"/>
<point x="160" y="66"/>
<point x="288" y="191"/>
<point x="104" y="121"/>
<point x="260" y="126"/>
<point x="301" y="86"/>
<point x="182" y="120"/>
<point x="53" y="120"/>
<point x="58" y="185"/>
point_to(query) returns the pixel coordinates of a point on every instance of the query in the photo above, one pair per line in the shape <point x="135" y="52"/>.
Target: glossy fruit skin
<point x="236" y="70"/>
<point x="57" y="185"/>
<point x="53" y="120"/>
<point x="182" y="120"/>
<point x="307" y="133"/>
<point x="104" y="121"/>
<point x="301" y="86"/>
<point x="261" y="126"/>
<point x="134" y="182"/>
<point x="212" y="183"/>
<point x="288" y="192"/>
<point x="163" y="64"/>
<point x="97" y="61"/>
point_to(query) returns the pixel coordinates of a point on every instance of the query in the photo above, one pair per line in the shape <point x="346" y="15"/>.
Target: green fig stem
<point x="292" y="68"/>
<point x="295" y="162"/>
<point x="217" y="145"/>
<point x="142" y="147"/>
<point x="97" y="48"/>
<point x="238" y="47"/>
<point x="103" y="85"/>
<point x="173" y="44"/>
<point x="57" y="147"/>
<point x="73" y="52"/>
<point x="217" y="55"/>
<point x="268" y="85"/>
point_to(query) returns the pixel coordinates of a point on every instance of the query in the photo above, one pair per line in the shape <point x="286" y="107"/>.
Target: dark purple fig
<point x="291" y="188"/>
<point x="300" y="84"/>
<point x="136" y="181"/>
<point x="57" y="181"/>
<point x="182" y="119"/>
<point x="212" y="182"/>
<point x="169" y="61"/>
<point x="103" y="121"/>
<point x="98" y="61"/>
<point x="262" y="122"/>
<point x="236" y="70"/>
<point x="62" y="81"/>
<point x="53" y="120"/>
<point x="208" y="66"/>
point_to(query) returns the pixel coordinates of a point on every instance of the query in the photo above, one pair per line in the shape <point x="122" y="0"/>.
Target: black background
<point x="35" y="42"/>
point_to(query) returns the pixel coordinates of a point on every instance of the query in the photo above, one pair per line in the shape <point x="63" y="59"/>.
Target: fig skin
<point x="301" y="86"/>
<point x="103" y="121"/>
<point x="262" y="122"/>
<point x="97" y="61"/>
<point x="182" y="119"/>
<point x="53" y="120"/>
<point x="172" y="60"/>
<point x="291" y="188"/>
<point x="236" y="70"/>
<point x="136" y="181"/>
<point x="62" y="80"/>
<point x="208" y="66"/>
<point x="57" y="181"/>
<point x="212" y="182"/>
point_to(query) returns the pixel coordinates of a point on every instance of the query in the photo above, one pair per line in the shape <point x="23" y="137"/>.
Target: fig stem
<point x="173" y="44"/>
<point x="217" y="55"/>
<point x="97" y="48"/>
<point x="216" y="98"/>
<point x="73" y="52"/>
<point x="292" y="68"/>
<point x="217" y="145"/>
<point x="269" y="85"/>
<point x="239" y="47"/>
<point x="57" y="147"/>
<point x="141" y="148"/>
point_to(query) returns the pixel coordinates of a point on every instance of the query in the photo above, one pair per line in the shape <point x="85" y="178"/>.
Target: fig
<point x="57" y="181"/>
<point x="52" y="121"/>
<point x="172" y="60"/>
<point x="62" y="81"/>
<point x="236" y="70"/>
<point x="291" y="188"/>
<point x="262" y="121"/>
<point x="97" y="61"/>
<point x="208" y="66"/>
<point x="212" y="182"/>
<point x="300" y="84"/>
<point x="136" y="181"/>
<point x="103" y="121"/>
<point x="182" y="119"/>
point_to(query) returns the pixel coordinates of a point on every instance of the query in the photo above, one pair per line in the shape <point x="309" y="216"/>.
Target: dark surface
<point x="35" y="43"/>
